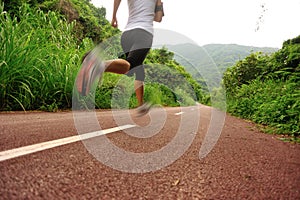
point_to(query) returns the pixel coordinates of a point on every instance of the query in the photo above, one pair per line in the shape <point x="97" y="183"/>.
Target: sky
<point x="260" y="23"/>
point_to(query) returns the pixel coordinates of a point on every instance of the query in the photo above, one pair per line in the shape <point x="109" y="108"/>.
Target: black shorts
<point x="136" y="44"/>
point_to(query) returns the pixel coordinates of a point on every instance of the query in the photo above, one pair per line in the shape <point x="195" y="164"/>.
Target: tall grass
<point x="39" y="60"/>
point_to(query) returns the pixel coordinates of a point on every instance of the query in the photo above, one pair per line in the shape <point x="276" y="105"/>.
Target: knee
<point x="139" y="73"/>
<point x="126" y="64"/>
<point x="119" y="66"/>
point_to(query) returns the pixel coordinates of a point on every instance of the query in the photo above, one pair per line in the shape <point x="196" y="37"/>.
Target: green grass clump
<point x="38" y="61"/>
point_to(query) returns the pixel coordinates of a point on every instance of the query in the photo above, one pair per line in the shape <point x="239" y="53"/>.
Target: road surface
<point x="244" y="163"/>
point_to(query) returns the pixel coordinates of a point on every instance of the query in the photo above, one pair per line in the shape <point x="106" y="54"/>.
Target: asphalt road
<point x="155" y="158"/>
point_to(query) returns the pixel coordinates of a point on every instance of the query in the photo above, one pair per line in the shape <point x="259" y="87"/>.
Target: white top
<point x="141" y="15"/>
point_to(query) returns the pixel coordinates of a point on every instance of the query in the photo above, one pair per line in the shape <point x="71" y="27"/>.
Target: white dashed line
<point x="13" y="153"/>
<point x="179" y="113"/>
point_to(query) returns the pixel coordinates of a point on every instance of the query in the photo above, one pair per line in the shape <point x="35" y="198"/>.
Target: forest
<point x="42" y="44"/>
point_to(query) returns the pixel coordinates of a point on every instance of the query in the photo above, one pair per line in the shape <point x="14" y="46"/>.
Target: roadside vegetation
<point x="42" y="46"/>
<point x="266" y="89"/>
<point x="42" y="43"/>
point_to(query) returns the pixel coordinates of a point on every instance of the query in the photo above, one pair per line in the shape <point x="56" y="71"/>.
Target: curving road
<point x="244" y="163"/>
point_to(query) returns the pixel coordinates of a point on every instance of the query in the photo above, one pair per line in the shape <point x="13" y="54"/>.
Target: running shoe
<point x="91" y="71"/>
<point x="143" y="109"/>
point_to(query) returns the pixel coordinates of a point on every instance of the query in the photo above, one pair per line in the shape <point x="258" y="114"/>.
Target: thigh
<point x="136" y="44"/>
<point x="137" y="57"/>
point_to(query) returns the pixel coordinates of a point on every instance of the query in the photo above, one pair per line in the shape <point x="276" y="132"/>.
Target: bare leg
<point x="139" y="91"/>
<point x="88" y="74"/>
<point x="118" y="66"/>
<point x="121" y="66"/>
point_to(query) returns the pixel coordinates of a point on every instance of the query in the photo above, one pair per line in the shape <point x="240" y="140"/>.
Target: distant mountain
<point x="209" y="62"/>
<point x="226" y="55"/>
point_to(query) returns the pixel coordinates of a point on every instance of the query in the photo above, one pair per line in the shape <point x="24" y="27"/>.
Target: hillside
<point x="211" y="61"/>
<point x="226" y="55"/>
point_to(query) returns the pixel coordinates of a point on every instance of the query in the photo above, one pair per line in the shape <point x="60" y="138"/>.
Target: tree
<point x="243" y="72"/>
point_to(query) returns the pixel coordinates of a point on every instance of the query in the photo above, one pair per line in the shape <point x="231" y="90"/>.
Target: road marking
<point x="17" y="152"/>
<point x="179" y="113"/>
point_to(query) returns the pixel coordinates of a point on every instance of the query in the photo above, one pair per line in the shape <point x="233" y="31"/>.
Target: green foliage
<point x="285" y="63"/>
<point x="273" y="103"/>
<point x="168" y="72"/>
<point x="113" y="88"/>
<point x="90" y="21"/>
<point x="13" y="6"/>
<point x="160" y="94"/>
<point x="244" y="72"/>
<point x="42" y="45"/>
<point x="38" y="59"/>
<point x="266" y="89"/>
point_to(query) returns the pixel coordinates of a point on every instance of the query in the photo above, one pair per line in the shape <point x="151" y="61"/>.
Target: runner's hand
<point x="114" y="22"/>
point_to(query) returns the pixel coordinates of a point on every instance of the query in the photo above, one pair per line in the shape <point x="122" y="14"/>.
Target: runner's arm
<point x="114" y="21"/>
<point x="159" y="11"/>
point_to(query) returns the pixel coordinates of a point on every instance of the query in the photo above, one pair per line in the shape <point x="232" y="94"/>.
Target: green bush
<point x="160" y="94"/>
<point x="266" y="88"/>
<point x="39" y="60"/>
<point x="273" y="103"/>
